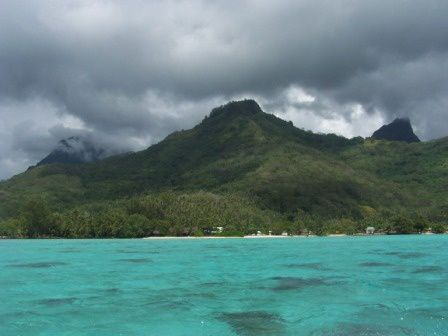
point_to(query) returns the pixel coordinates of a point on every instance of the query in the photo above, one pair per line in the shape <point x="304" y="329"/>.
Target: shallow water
<point x="382" y="285"/>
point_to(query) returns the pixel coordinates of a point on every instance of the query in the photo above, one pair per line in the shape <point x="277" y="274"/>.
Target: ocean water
<point x="382" y="285"/>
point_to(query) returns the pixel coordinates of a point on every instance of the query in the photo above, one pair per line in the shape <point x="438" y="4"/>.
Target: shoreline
<point x="336" y="235"/>
<point x="187" y="237"/>
<point x="274" y="236"/>
<point x="223" y="237"/>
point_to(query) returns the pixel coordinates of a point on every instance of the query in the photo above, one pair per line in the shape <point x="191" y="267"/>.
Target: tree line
<point x="197" y="214"/>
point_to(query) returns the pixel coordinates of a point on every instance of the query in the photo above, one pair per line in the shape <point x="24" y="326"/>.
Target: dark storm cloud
<point x="129" y="72"/>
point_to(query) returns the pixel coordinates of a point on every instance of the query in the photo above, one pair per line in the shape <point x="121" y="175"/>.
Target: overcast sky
<point x="130" y="72"/>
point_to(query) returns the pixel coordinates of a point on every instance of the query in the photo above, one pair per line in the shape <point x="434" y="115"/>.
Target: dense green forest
<point x="244" y="170"/>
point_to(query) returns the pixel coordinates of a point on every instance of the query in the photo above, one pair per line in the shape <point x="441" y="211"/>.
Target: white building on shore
<point x="370" y="230"/>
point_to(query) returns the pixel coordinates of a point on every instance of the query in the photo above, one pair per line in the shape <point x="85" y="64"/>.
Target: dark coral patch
<point x="252" y="323"/>
<point x="39" y="264"/>
<point x="406" y="255"/>
<point x="69" y="250"/>
<point x="57" y="301"/>
<point x="313" y="266"/>
<point x="292" y="283"/>
<point x="375" y="264"/>
<point x="428" y="269"/>
<point x="392" y="253"/>
<point x="412" y="255"/>
<point x="136" y="260"/>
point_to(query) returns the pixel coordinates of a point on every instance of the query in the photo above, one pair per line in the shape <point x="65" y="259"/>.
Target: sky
<point x="128" y="73"/>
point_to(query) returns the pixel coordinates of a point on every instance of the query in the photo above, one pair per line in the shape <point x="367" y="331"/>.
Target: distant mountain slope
<point x="240" y="150"/>
<point x="399" y="130"/>
<point x="73" y="150"/>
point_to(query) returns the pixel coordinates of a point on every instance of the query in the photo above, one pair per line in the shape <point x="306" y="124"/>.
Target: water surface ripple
<point x="386" y="285"/>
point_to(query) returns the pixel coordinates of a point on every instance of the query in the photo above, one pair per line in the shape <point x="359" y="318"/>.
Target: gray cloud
<point x="130" y="72"/>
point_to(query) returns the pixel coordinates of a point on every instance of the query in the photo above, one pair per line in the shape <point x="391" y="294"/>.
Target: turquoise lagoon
<point x="382" y="285"/>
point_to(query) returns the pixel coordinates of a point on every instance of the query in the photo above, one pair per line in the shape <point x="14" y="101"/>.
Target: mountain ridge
<point x="238" y="152"/>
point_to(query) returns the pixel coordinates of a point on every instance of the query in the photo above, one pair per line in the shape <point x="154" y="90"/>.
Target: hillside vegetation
<point x="242" y="169"/>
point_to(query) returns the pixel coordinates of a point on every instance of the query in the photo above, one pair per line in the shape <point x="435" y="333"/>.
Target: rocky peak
<point x="73" y="150"/>
<point x="398" y="130"/>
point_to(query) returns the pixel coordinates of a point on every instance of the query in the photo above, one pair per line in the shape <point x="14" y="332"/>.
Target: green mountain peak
<point x="242" y="107"/>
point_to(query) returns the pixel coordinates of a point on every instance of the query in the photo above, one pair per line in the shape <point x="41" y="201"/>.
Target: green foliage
<point x="198" y="233"/>
<point x="439" y="228"/>
<point x="402" y="224"/>
<point x="241" y="169"/>
<point x="138" y="226"/>
<point x="10" y="228"/>
<point x="35" y="219"/>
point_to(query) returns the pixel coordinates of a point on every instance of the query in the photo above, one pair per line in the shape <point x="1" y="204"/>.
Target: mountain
<point x="243" y="169"/>
<point x="73" y="150"/>
<point x="398" y="130"/>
